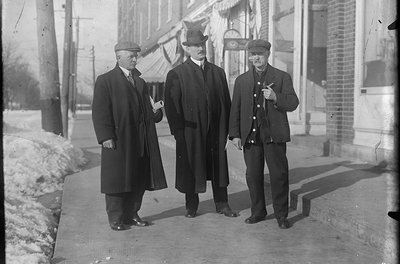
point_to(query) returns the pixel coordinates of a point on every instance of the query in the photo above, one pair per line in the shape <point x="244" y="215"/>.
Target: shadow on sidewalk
<point x="327" y="184"/>
<point x="94" y="159"/>
<point x="238" y="202"/>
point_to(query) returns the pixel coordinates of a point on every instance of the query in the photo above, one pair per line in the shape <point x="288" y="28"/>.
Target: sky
<point x="100" y="30"/>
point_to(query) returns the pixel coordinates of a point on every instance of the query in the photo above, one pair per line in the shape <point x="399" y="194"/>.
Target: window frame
<point x="359" y="58"/>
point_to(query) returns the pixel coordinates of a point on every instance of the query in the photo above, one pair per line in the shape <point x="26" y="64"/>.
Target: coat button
<point x="254" y="117"/>
<point x="258" y="83"/>
<point x="255" y="95"/>
<point x="254" y="129"/>
<point x="252" y="141"/>
<point x="258" y="106"/>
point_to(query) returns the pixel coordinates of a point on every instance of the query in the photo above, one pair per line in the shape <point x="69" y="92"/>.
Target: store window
<point x="283" y="41"/>
<point x="380" y="45"/>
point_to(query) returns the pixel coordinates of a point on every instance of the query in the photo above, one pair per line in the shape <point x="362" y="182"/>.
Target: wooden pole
<point x="93" y="64"/>
<point x="66" y="66"/>
<point x="48" y="68"/>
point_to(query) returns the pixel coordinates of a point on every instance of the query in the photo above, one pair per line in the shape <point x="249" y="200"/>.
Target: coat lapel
<point x="270" y="78"/>
<point x="197" y="72"/>
<point x="136" y="73"/>
<point x="249" y="91"/>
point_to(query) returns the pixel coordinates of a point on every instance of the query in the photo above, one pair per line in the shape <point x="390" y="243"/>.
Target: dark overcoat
<point x="188" y="95"/>
<point x="241" y="116"/>
<point x="115" y="114"/>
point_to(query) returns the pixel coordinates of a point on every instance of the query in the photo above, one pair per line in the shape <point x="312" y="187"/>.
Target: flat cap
<point x="258" y="45"/>
<point x="127" y="45"/>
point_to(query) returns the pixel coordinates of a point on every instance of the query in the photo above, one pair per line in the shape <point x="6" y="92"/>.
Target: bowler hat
<point x="194" y="37"/>
<point x="127" y="45"/>
<point x="258" y="45"/>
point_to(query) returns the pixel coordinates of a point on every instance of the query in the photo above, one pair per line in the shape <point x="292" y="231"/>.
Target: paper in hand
<point x="157" y="105"/>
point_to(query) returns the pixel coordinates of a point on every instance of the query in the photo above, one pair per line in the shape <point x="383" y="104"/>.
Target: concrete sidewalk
<point x="349" y="196"/>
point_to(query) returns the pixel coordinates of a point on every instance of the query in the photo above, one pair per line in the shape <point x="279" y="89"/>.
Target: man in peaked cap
<point x="258" y="124"/>
<point x="124" y="122"/>
<point x="197" y="104"/>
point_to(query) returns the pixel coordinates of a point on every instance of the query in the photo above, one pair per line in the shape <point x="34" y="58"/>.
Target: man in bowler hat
<point x="124" y="122"/>
<point x="259" y="125"/>
<point x="197" y="105"/>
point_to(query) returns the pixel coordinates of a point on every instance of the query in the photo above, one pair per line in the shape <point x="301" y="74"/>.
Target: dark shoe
<point x="254" y="219"/>
<point x="137" y="221"/>
<point x="227" y="211"/>
<point x="283" y="223"/>
<point x="190" y="213"/>
<point x="118" y="226"/>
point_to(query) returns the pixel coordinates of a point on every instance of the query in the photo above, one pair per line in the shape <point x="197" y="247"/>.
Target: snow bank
<point x="34" y="164"/>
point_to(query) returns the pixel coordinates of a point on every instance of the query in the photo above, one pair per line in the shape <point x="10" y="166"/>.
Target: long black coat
<point x="187" y="97"/>
<point x="242" y="105"/>
<point x="115" y="116"/>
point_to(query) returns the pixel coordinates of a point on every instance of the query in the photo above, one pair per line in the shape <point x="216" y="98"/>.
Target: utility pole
<point x="74" y="89"/>
<point x="48" y="68"/>
<point x="66" y="65"/>
<point x="75" y="72"/>
<point x="94" y="70"/>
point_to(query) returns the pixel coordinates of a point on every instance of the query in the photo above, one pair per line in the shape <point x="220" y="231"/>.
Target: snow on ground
<point x="35" y="163"/>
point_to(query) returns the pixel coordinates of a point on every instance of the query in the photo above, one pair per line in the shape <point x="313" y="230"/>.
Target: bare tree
<point x="48" y="68"/>
<point x="20" y="87"/>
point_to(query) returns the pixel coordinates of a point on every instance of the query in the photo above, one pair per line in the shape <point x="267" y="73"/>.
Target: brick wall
<point x="340" y="71"/>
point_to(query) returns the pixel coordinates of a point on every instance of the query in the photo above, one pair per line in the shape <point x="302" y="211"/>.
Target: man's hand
<point x="109" y="144"/>
<point x="269" y="94"/>
<point x="238" y="143"/>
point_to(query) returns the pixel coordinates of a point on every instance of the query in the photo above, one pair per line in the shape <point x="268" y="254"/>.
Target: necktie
<point x="130" y="78"/>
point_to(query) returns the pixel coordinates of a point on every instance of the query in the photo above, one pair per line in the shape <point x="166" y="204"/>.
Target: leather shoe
<point x="137" y="221"/>
<point x="227" y="211"/>
<point x="118" y="226"/>
<point x="283" y="223"/>
<point x="190" y="213"/>
<point x="254" y="219"/>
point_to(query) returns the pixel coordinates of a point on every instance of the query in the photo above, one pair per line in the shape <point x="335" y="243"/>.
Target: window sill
<point x="377" y="90"/>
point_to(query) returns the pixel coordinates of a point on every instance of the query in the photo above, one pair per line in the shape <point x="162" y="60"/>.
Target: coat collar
<point x="198" y="73"/>
<point x="135" y="72"/>
<point x="269" y="78"/>
<point x="192" y="64"/>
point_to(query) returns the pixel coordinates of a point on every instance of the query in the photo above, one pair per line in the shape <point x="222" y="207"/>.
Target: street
<point x="85" y="237"/>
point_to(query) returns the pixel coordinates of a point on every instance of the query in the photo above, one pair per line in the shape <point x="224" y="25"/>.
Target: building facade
<point x="340" y="53"/>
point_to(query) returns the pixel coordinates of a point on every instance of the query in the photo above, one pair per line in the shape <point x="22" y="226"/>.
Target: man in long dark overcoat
<point x="124" y="122"/>
<point x="197" y="104"/>
<point x="258" y="123"/>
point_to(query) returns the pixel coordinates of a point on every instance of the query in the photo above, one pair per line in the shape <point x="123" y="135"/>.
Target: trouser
<point x="220" y="195"/>
<point x="275" y="156"/>
<point x="122" y="207"/>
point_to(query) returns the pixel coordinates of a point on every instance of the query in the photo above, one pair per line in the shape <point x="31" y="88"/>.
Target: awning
<point x="224" y="5"/>
<point x="154" y="67"/>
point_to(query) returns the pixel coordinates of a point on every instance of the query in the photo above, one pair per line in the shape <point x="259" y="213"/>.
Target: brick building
<point x="340" y="54"/>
